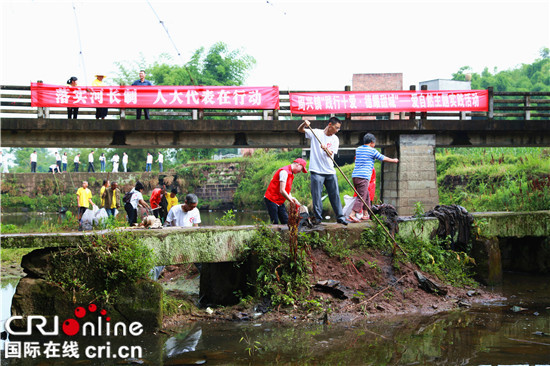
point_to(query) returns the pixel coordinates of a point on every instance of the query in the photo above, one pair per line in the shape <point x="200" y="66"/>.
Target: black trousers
<point x="131" y="212"/>
<point x="101" y="113"/>
<point x="72" y="113"/>
<point x="276" y="213"/>
<point x="138" y="113"/>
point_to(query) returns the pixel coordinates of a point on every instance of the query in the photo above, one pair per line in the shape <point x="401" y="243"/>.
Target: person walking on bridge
<point x="321" y="167"/>
<point x="91" y="162"/>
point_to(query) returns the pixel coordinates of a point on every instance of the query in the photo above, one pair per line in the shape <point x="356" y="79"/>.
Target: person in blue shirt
<point x="364" y="163"/>
<point x="142" y="82"/>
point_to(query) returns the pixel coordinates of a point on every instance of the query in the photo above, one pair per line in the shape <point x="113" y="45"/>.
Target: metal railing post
<point x="491" y="112"/>
<point x="527" y="103"/>
<point x="412" y="115"/>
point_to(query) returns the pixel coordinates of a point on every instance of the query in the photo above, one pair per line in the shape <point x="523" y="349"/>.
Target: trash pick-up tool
<point x="372" y="215"/>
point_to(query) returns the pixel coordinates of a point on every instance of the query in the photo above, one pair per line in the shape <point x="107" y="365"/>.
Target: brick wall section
<point x="416" y="173"/>
<point x="373" y="82"/>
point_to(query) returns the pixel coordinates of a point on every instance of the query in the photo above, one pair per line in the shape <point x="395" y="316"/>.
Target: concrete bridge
<point x="513" y="119"/>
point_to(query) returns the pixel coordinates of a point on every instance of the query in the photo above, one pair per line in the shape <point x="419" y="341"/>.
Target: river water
<point x="487" y="334"/>
<point x="208" y="218"/>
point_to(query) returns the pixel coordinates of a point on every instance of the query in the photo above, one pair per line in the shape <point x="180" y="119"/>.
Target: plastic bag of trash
<point x="100" y="215"/>
<point x="349" y="201"/>
<point x="87" y="219"/>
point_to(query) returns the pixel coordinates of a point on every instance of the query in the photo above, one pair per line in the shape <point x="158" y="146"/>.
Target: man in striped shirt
<point x="364" y="164"/>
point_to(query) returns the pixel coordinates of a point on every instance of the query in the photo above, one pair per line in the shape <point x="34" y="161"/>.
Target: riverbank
<point x="340" y="292"/>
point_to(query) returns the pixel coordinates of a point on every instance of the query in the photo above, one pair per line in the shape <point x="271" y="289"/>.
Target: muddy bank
<point x="357" y="288"/>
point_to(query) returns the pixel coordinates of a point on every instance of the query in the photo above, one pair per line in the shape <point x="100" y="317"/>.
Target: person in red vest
<point x="155" y="200"/>
<point x="278" y="191"/>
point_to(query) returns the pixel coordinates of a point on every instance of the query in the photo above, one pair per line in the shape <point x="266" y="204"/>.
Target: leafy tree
<point x="218" y="66"/>
<point x="523" y="78"/>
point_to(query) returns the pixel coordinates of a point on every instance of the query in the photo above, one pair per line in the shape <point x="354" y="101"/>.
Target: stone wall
<point x="218" y="182"/>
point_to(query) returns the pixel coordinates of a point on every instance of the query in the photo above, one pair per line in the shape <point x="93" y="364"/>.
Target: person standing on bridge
<point x="34" y="159"/>
<point x="321" y="168"/>
<point x="102" y="162"/>
<point x="58" y="160"/>
<point x="76" y="162"/>
<point x="64" y="161"/>
<point x="83" y="199"/>
<point x="149" y="162"/>
<point x="125" y="162"/>
<point x="72" y="113"/>
<point x="142" y="82"/>
<point x="278" y="191"/>
<point x="161" y="162"/>
<point x="115" y="159"/>
<point x="100" y="113"/>
<point x="91" y="162"/>
<point x="186" y="215"/>
<point x="361" y="176"/>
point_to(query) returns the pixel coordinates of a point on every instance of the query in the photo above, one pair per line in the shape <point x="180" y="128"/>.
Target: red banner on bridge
<point x="388" y="101"/>
<point x="192" y="97"/>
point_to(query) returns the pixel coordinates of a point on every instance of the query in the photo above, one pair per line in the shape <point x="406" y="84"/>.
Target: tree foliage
<point x="218" y="66"/>
<point x="523" y="78"/>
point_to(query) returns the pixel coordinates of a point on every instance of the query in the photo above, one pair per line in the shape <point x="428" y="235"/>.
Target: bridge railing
<point x="15" y="101"/>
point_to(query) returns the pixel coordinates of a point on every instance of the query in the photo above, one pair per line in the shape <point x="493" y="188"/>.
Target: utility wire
<point x="80" y="45"/>
<point x="171" y="40"/>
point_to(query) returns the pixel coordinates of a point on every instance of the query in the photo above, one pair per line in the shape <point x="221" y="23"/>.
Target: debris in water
<point x="517" y="309"/>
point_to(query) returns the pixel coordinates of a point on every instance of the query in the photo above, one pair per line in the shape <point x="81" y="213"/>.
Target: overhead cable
<point x="171" y="40"/>
<point x="80" y="45"/>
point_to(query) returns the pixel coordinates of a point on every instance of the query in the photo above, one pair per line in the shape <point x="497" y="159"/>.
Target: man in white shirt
<point x="149" y="162"/>
<point x="161" y="161"/>
<point x="125" y="162"/>
<point x="186" y="215"/>
<point x="321" y="168"/>
<point x="58" y="160"/>
<point x="115" y="160"/>
<point x="34" y="159"/>
<point x="91" y="162"/>
<point x="76" y="162"/>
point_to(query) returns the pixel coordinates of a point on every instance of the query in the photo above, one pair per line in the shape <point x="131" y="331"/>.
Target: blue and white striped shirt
<point x="364" y="161"/>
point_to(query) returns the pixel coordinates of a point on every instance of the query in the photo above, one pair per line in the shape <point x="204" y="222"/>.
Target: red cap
<point x="302" y="162"/>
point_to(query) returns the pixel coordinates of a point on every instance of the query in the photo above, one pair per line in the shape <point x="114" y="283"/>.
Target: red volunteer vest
<point x="273" y="191"/>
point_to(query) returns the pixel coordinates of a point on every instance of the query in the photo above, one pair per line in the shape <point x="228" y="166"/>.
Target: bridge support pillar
<point x="414" y="179"/>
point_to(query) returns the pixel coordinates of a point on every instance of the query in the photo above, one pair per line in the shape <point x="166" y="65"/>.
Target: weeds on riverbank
<point x="494" y="179"/>
<point x="100" y="267"/>
<point x="281" y="276"/>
